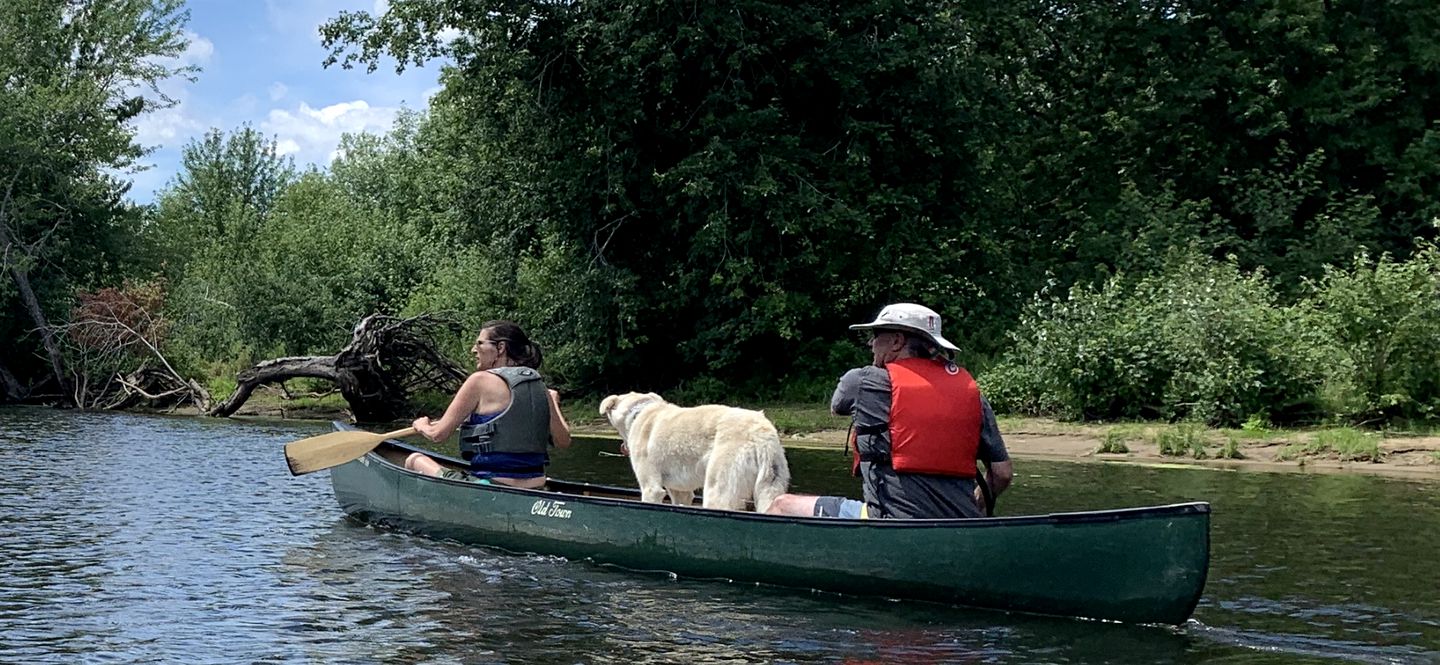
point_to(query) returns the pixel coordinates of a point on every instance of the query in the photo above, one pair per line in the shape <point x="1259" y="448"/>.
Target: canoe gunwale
<point x="574" y="490"/>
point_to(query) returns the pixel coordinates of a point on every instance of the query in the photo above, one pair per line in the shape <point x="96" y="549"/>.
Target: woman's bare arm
<point x="559" y="429"/>
<point x="464" y="403"/>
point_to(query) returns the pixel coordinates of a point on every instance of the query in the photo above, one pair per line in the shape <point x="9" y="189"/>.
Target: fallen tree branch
<point x="386" y="361"/>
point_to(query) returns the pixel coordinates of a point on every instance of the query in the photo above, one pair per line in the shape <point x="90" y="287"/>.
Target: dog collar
<point x="635" y="411"/>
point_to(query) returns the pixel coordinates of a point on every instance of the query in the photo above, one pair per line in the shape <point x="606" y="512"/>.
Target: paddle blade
<point x="333" y="449"/>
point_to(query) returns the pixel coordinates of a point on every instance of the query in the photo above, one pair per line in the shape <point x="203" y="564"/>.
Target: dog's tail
<point x="773" y="477"/>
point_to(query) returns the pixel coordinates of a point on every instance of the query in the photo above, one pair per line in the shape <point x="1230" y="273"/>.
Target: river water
<point x="127" y="539"/>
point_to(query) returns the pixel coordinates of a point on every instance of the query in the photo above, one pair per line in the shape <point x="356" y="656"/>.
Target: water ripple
<point x="130" y="539"/>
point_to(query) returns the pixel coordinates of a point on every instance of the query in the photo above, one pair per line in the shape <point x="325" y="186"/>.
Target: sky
<point x="261" y="63"/>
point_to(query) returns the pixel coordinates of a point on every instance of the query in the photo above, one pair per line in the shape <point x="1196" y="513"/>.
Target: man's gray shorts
<point x="839" y="506"/>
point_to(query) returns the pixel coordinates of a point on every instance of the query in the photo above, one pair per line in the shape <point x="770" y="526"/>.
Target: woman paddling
<point x="506" y="416"/>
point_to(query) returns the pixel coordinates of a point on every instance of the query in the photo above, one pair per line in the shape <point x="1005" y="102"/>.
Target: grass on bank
<point x="1349" y="444"/>
<point x="1190" y="440"/>
<point x="1199" y="442"/>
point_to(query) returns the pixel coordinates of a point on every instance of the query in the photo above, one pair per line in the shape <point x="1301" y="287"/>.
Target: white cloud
<point x="198" y="51"/>
<point x="260" y="68"/>
<point x="312" y="135"/>
<point x="175" y="124"/>
<point x="166" y="126"/>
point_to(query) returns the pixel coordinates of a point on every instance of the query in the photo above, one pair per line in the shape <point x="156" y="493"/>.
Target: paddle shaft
<point x="398" y="434"/>
<point x="335" y="448"/>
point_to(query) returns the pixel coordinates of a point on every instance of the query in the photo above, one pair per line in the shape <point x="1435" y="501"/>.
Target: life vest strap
<point x="875" y="458"/>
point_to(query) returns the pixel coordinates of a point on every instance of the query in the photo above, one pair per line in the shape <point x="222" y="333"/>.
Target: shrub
<point x="1384" y="318"/>
<point x="1114" y="441"/>
<point x="1183" y="439"/>
<point x="1201" y="341"/>
<point x="1231" y="450"/>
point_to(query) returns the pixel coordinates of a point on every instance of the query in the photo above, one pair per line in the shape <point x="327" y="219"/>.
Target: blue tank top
<point x="504" y="465"/>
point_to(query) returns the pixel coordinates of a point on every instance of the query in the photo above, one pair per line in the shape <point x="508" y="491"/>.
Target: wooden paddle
<point x="334" y="449"/>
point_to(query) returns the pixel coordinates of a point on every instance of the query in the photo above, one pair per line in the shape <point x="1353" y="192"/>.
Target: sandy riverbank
<point x="1402" y="457"/>
<point x="1410" y="457"/>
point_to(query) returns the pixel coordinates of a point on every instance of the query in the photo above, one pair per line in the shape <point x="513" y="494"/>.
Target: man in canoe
<point x="506" y="416"/>
<point x="920" y="428"/>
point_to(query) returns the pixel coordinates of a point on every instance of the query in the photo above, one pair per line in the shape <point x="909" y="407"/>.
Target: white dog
<point x="733" y="454"/>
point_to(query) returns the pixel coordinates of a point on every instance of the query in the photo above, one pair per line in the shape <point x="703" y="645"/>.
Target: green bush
<point x="1200" y="341"/>
<point x="1231" y="449"/>
<point x="1114" y="441"/>
<point x="1384" y="318"/>
<point x="1181" y="440"/>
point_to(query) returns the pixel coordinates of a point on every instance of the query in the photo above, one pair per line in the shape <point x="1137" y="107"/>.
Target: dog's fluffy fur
<point x="733" y="454"/>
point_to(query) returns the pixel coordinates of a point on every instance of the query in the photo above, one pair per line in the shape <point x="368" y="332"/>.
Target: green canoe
<point x="1144" y="565"/>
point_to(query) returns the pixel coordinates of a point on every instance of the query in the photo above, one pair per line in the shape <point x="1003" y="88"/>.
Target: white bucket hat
<point x="909" y="316"/>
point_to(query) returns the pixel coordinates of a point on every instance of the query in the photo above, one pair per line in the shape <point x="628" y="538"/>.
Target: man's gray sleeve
<point x="992" y="446"/>
<point x="842" y="403"/>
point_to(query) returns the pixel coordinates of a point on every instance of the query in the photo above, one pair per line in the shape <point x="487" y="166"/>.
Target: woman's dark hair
<point x="518" y="346"/>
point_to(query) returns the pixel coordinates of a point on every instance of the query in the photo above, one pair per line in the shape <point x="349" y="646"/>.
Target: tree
<point x="73" y="76"/>
<point x="226" y="188"/>
<point x="693" y="176"/>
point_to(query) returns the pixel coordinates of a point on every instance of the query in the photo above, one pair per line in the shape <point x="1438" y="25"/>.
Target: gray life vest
<point x="523" y="427"/>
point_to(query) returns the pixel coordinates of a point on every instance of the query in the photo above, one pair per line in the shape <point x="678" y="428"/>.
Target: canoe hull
<point x="1144" y="565"/>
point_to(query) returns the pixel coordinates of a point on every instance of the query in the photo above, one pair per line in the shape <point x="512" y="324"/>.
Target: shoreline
<point x="1414" y="458"/>
<point x="1404" y="457"/>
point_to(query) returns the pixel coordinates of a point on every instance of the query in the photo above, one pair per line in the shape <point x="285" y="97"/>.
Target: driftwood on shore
<point x="112" y="356"/>
<point x="387" y="360"/>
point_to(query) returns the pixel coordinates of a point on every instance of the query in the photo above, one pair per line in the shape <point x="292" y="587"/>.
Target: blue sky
<point x="261" y="64"/>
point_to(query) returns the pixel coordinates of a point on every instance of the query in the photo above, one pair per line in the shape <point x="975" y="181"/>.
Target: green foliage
<point x="1257" y="423"/>
<point x="74" y="78"/>
<point x="271" y="263"/>
<point x="207" y="225"/>
<point x="1114" y="441"/>
<point x="1200" y="341"/>
<point x="679" y="181"/>
<point x="1231" y="449"/>
<point x="1384" y="317"/>
<point x="1350" y="444"/>
<point x="697" y="199"/>
<point x="1271" y="164"/>
<point x="1181" y="440"/>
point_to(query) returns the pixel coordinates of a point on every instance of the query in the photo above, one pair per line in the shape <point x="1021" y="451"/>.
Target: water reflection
<point x="137" y="539"/>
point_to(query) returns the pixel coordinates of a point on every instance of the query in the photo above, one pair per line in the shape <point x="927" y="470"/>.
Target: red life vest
<point x="935" y="417"/>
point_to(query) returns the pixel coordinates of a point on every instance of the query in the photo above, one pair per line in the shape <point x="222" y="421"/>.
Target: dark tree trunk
<point x="386" y="360"/>
<point x="32" y="304"/>
<point x="10" y="388"/>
